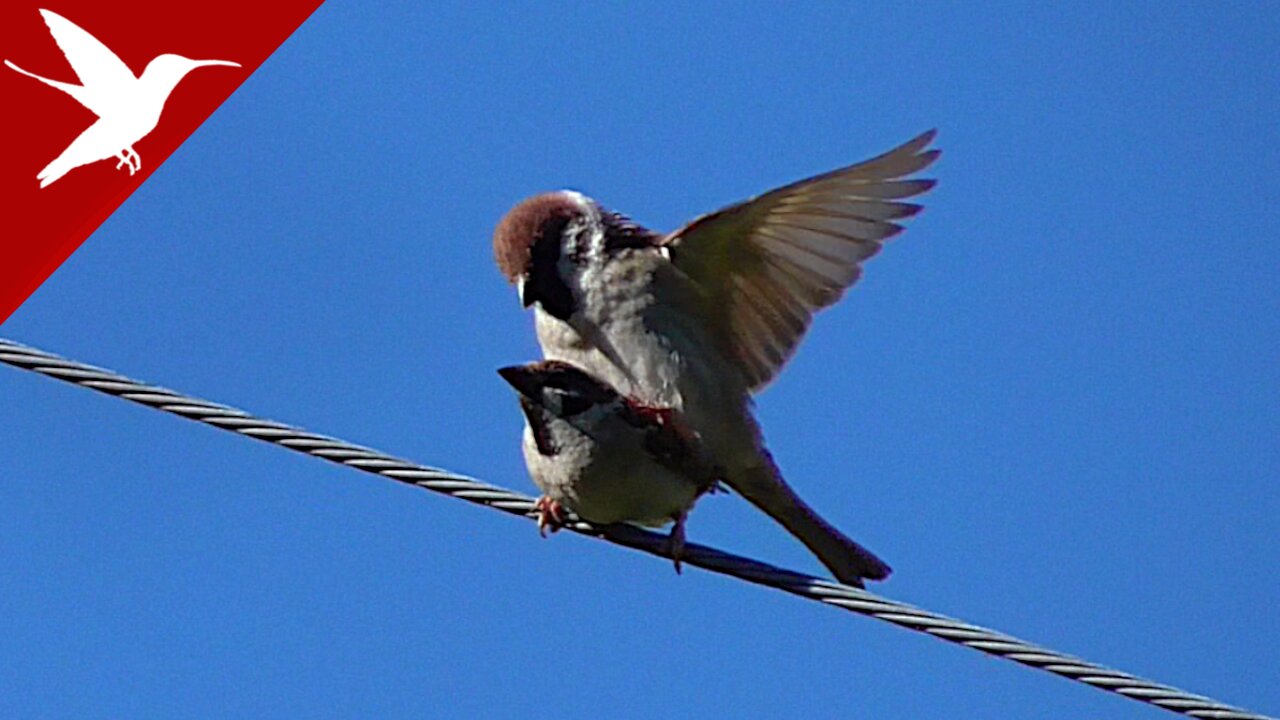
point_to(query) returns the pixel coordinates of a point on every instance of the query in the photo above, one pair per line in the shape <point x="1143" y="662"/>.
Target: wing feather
<point x="101" y="72"/>
<point x="767" y="264"/>
<point x="855" y="209"/>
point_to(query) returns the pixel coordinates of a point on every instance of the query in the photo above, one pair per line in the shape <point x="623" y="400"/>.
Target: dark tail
<point x="846" y="559"/>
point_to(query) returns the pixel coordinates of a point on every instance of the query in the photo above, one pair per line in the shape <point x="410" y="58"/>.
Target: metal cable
<point x="806" y="586"/>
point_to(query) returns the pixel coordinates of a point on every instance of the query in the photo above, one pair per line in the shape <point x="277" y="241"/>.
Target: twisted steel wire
<point x="708" y="558"/>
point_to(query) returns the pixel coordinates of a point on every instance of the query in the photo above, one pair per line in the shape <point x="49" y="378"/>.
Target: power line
<point x="465" y="488"/>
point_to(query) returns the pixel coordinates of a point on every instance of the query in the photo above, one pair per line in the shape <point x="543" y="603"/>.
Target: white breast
<point x="641" y="328"/>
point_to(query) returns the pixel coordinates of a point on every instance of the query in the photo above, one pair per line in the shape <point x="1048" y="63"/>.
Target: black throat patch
<point x="545" y="284"/>
<point x="537" y="418"/>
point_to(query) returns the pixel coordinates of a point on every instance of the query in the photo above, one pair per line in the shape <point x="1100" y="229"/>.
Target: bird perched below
<point x="605" y="456"/>
<point x="701" y="318"/>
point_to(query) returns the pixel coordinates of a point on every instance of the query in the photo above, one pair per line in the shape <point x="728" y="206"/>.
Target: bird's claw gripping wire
<point x="550" y="515"/>
<point x="675" y="542"/>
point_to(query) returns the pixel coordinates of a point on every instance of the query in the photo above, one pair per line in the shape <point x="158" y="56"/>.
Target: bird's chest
<point x="609" y="478"/>
<point x="634" y="329"/>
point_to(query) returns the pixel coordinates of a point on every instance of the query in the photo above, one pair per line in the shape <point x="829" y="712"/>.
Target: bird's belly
<point x="618" y="489"/>
<point x="619" y="484"/>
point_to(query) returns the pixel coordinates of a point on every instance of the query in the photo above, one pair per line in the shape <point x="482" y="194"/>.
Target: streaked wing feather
<point x="856" y="209"/>
<point x="767" y="264"/>
<point x="891" y="190"/>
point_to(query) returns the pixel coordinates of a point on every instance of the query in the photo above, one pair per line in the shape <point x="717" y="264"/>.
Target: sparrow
<point x="700" y="319"/>
<point x="605" y="456"/>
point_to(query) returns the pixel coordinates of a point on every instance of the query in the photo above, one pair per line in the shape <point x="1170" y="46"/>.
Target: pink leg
<point x="675" y="542"/>
<point x="550" y="515"/>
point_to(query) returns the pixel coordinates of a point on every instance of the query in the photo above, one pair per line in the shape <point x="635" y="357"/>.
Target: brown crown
<point x="524" y="225"/>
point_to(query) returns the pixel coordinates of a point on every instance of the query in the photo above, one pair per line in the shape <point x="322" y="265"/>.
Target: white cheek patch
<point x="595" y="243"/>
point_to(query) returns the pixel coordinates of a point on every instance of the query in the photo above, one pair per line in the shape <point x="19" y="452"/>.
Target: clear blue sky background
<point x="1053" y="404"/>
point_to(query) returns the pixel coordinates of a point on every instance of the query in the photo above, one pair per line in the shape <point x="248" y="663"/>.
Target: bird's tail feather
<point x="53" y="171"/>
<point x="848" y="561"/>
<point x="28" y="73"/>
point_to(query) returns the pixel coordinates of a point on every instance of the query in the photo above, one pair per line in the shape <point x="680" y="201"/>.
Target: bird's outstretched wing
<point x="767" y="264"/>
<point x="104" y="76"/>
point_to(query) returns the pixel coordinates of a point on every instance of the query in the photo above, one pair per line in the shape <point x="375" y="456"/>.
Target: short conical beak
<point x="206" y="63"/>
<point x="520" y="378"/>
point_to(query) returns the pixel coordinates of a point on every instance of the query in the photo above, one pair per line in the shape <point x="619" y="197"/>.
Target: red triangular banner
<point x="97" y="95"/>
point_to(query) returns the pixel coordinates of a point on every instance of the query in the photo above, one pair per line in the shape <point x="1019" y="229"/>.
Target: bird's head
<point x="168" y="69"/>
<point x="558" y="389"/>
<point x="544" y="244"/>
<point x="539" y="243"/>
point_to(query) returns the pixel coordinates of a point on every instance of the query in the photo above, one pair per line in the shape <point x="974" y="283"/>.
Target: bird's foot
<point x="550" y="515"/>
<point x="675" y="541"/>
<point x="128" y="157"/>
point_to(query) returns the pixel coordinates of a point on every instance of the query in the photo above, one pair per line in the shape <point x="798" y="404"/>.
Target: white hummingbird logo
<point x="127" y="107"/>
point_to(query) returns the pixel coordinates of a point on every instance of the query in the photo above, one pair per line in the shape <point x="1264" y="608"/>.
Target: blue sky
<point x="1053" y="404"/>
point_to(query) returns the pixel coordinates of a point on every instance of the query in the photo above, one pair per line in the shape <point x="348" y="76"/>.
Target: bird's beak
<point x="520" y="378"/>
<point x="522" y="285"/>
<point x="206" y="63"/>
